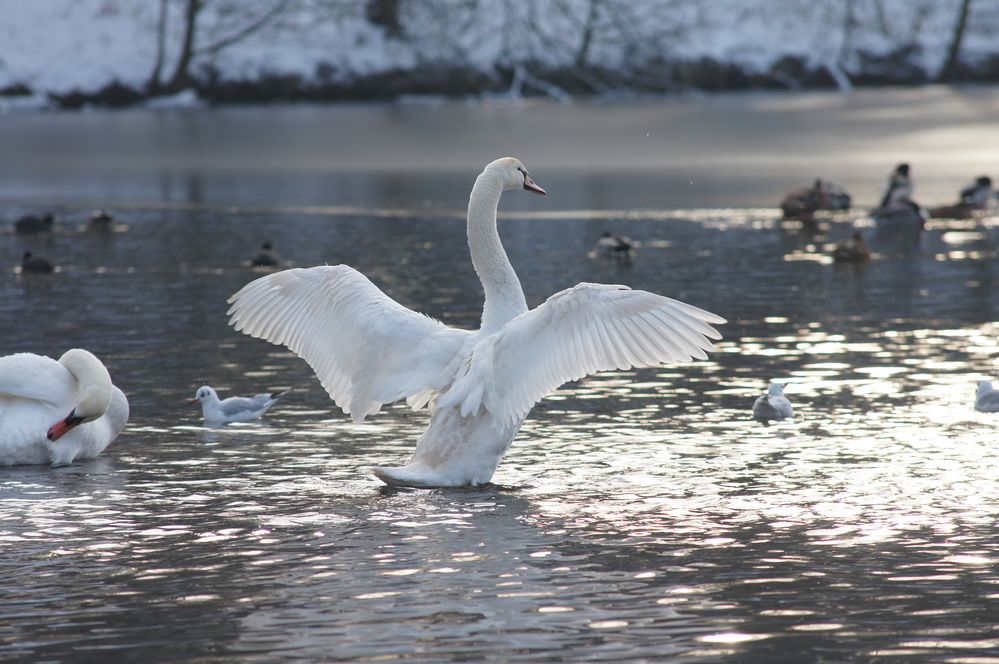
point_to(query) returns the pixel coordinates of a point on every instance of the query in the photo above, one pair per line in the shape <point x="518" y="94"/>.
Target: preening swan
<point x="57" y="412"/>
<point x="233" y="409"/>
<point x="368" y="350"/>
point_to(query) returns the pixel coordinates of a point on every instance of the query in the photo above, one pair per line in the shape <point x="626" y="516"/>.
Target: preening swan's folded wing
<point x="585" y="329"/>
<point x="36" y="377"/>
<point x="366" y="348"/>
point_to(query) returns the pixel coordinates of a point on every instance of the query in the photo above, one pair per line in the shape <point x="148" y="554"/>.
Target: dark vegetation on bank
<point x="657" y="77"/>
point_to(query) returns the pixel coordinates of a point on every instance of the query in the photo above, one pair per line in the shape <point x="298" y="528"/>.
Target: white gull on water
<point x="233" y="409"/>
<point x="773" y="405"/>
<point x="987" y="398"/>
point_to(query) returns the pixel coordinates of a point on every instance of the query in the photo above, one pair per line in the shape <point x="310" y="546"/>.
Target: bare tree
<point x="386" y="14"/>
<point x="586" y="34"/>
<point x="241" y="21"/>
<point x="181" y="75"/>
<point x="954" y="50"/>
<point x="153" y="84"/>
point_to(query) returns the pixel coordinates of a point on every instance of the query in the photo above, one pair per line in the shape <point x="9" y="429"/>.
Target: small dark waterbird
<point x="35" y="264"/>
<point x="31" y="224"/>
<point x="265" y="257"/>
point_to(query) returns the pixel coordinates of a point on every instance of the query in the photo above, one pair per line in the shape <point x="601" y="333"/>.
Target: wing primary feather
<point x="666" y="335"/>
<point x="591" y="353"/>
<point x="661" y="340"/>
<point x="694" y="344"/>
<point x="620" y="347"/>
<point x="628" y="345"/>
<point x="610" y="350"/>
<point x="696" y="312"/>
<point x="643" y="351"/>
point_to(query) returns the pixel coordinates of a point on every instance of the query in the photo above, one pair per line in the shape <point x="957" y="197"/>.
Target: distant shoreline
<point x="704" y="75"/>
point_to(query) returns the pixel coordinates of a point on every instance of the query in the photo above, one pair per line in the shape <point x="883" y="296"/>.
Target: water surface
<point x="639" y="516"/>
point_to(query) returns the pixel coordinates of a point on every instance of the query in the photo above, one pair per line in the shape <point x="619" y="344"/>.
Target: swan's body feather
<point x="35" y="393"/>
<point x="369" y="350"/>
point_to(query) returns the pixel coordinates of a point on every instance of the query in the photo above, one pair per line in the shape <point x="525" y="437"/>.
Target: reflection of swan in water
<point x="56" y="412"/>
<point x="443" y="527"/>
<point x="369" y="350"/>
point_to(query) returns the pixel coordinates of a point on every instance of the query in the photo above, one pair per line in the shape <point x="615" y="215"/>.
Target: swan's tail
<point x="408" y="475"/>
<point x="418" y="475"/>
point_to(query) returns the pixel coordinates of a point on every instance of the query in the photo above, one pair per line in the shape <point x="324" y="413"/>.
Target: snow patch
<point x="56" y="46"/>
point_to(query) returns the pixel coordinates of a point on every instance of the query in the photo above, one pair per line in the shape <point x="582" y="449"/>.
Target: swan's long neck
<point x="504" y="296"/>
<point x="93" y="379"/>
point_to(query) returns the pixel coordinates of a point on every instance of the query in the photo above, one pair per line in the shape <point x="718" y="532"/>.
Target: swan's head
<point x="512" y="174"/>
<point x="204" y="392"/>
<point x="95" y="391"/>
<point x="984" y="386"/>
<point x="776" y="389"/>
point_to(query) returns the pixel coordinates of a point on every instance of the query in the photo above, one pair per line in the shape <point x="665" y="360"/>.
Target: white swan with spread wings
<point x="369" y="350"/>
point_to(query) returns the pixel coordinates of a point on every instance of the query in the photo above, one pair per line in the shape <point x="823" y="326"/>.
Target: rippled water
<point x="639" y="515"/>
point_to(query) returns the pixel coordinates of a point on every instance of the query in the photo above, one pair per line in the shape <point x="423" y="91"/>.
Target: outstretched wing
<point x="579" y="331"/>
<point x="366" y="348"/>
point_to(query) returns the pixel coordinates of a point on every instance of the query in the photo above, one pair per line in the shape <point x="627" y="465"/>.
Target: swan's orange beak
<point x="62" y="427"/>
<point x="530" y="185"/>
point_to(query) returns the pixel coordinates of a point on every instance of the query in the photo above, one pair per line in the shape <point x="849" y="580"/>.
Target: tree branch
<point x="243" y="32"/>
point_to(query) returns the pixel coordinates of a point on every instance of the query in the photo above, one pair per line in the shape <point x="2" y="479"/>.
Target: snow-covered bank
<point x="106" y="51"/>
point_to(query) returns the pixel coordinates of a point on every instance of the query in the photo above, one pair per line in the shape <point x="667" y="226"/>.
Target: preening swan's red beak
<point x="62" y="427"/>
<point x="531" y="186"/>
